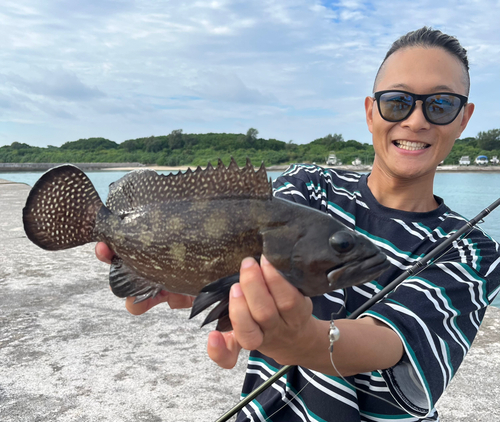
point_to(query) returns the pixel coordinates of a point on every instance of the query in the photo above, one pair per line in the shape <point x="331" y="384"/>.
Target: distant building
<point x="482" y="160"/>
<point x="464" y="160"/>
<point x="332" y="160"/>
<point x="494" y="160"/>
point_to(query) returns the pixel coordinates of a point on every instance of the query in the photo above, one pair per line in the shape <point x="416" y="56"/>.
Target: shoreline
<point x="34" y="167"/>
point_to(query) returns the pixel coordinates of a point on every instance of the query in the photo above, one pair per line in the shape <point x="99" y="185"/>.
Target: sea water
<point x="466" y="193"/>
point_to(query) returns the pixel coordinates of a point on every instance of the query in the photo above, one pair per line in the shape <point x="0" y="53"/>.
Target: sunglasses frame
<point x="463" y="101"/>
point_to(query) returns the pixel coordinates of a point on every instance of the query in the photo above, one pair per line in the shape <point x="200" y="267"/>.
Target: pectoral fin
<point x="124" y="282"/>
<point x="218" y="291"/>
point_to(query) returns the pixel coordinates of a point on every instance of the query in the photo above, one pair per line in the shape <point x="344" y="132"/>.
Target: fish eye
<point x="342" y="241"/>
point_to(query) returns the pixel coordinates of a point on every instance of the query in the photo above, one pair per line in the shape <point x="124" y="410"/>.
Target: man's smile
<point x="410" y="145"/>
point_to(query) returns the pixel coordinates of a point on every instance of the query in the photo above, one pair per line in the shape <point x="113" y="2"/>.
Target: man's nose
<point x="416" y="121"/>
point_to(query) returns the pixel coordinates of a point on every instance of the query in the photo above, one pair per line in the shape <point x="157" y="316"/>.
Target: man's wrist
<point x="314" y="344"/>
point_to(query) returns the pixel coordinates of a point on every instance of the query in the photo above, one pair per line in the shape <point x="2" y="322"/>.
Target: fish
<point x="188" y="233"/>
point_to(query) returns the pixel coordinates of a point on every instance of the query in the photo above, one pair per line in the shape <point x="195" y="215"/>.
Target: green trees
<point x="179" y="148"/>
<point x="251" y="136"/>
<point x="90" y="144"/>
<point x="485" y="143"/>
<point x="489" y="140"/>
<point x="175" y="139"/>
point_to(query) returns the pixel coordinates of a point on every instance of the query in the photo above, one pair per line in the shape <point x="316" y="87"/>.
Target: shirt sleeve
<point x="437" y="314"/>
<point x="303" y="184"/>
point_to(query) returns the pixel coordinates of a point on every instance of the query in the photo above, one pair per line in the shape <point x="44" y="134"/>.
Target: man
<point x="406" y="348"/>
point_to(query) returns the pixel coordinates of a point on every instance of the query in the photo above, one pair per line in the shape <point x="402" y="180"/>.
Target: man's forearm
<point x="364" y="345"/>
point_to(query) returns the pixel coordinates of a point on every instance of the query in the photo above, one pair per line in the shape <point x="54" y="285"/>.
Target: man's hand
<point x="175" y="300"/>
<point x="267" y="314"/>
<point x="270" y="315"/>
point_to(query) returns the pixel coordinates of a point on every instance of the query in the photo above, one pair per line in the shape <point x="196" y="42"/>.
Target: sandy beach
<point x="70" y="352"/>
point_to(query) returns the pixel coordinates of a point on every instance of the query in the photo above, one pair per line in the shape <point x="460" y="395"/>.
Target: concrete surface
<point x="69" y="351"/>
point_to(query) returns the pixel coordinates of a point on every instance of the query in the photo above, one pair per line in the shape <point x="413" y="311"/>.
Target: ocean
<point x="467" y="193"/>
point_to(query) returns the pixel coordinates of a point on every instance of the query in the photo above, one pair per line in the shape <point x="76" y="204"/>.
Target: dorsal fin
<point x="143" y="187"/>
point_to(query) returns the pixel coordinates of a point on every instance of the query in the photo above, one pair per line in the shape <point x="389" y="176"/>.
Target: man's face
<point x="414" y="147"/>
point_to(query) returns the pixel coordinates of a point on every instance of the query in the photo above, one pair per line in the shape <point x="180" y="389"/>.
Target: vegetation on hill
<point x="180" y="148"/>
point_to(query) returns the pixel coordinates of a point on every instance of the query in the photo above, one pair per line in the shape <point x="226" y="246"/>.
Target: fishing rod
<point x="420" y="265"/>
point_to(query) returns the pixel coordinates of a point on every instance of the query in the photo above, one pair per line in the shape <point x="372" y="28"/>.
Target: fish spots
<point x="215" y="225"/>
<point x="146" y="238"/>
<point x="176" y="224"/>
<point x="178" y="251"/>
<point x="61" y="208"/>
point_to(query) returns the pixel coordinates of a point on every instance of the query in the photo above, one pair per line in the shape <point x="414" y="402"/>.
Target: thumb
<point x="223" y="349"/>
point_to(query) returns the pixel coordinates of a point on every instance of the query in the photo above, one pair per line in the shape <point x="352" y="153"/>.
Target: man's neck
<point x="412" y="194"/>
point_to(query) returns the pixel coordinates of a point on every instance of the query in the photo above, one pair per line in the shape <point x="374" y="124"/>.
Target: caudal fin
<point x="61" y="209"/>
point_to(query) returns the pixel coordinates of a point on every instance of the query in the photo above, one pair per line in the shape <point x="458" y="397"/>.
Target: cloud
<point x="228" y="87"/>
<point x="294" y="69"/>
<point x="56" y="84"/>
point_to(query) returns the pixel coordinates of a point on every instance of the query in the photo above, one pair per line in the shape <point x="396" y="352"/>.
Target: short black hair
<point x="429" y="38"/>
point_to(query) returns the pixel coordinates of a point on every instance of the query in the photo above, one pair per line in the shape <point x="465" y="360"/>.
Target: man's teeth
<point x="411" y="146"/>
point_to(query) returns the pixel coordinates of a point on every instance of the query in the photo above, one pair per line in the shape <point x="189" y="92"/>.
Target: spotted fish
<point x="188" y="232"/>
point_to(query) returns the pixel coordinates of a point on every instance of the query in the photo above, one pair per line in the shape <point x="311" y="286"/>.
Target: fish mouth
<point x="358" y="272"/>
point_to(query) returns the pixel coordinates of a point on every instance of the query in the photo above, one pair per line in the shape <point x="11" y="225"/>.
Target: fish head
<point x="327" y="259"/>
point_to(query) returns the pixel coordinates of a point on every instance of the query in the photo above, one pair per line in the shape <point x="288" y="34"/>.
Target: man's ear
<point x="369" y="104"/>
<point x="468" y="110"/>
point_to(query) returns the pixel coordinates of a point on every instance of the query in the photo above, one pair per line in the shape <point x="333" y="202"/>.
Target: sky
<point x="295" y="70"/>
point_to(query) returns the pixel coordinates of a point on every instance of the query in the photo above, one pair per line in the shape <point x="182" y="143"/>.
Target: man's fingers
<point x="246" y="329"/>
<point x="251" y="306"/>
<point x="223" y="349"/>
<point x="103" y="253"/>
<point x="178" y="301"/>
<point x="146" y="305"/>
<point x="287" y="298"/>
<point x="257" y="295"/>
<point x="175" y="301"/>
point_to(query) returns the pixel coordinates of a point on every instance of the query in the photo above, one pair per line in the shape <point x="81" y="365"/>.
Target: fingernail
<point x="263" y="260"/>
<point x="236" y="291"/>
<point x="247" y="263"/>
<point x="213" y="341"/>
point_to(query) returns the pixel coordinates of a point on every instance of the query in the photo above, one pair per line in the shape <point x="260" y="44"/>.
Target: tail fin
<point x="61" y="209"/>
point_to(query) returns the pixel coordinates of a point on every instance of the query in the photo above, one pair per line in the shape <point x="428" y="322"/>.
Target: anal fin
<point x="124" y="282"/>
<point x="218" y="291"/>
<point x="224" y="324"/>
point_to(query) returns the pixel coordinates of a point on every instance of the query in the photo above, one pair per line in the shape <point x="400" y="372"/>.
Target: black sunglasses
<point x="440" y="108"/>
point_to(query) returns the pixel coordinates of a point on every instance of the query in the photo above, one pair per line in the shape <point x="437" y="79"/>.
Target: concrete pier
<point x="70" y="352"/>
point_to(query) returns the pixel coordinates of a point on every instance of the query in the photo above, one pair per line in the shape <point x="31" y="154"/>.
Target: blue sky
<point x="293" y="69"/>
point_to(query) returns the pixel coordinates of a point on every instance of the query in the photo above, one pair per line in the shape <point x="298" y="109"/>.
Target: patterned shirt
<point x="436" y="313"/>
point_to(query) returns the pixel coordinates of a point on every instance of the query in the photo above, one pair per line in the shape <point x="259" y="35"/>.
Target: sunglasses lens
<point x="442" y="108"/>
<point x="395" y="106"/>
